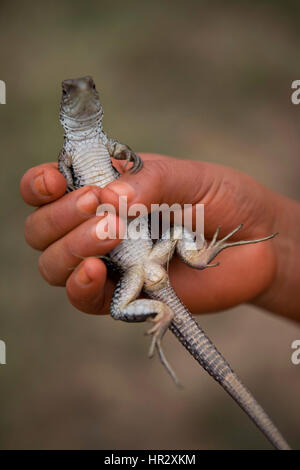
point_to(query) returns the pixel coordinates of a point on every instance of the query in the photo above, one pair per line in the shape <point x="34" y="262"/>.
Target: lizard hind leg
<point x="188" y="251"/>
<point x="125" y="306"/>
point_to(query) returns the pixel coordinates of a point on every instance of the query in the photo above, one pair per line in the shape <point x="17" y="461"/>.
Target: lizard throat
<point x="79" y="129"/>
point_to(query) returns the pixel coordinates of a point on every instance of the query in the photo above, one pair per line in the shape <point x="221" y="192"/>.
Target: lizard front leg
<point x="125" y="306"/>
<point x="65" y="167"/>
<point x="190" y="253"/>
<point x="123" y="152"/>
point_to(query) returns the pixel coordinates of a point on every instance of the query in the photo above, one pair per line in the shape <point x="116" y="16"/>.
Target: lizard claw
<point x="161" y="323"/>
<point x="165" y="363"/>
<point x="137" y="163"/>
<point x="201" y="258"/>
<point x="123" y="152"/>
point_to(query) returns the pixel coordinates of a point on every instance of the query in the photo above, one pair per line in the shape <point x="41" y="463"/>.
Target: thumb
<point x="229" y="196"/>
<point x="161" y="180"/>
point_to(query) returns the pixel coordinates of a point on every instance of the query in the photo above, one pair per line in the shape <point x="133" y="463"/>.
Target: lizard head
<point x="80" y="100"/>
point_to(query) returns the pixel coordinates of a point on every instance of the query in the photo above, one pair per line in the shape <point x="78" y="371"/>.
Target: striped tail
<point x="189" y="333"/>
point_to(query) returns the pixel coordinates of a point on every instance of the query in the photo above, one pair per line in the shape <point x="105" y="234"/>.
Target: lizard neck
<point x="83" y="128"/>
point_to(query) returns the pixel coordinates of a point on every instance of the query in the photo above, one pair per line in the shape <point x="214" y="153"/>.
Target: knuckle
<point x="43" y="270"/>
<point x="46" y="272"/>
<point x="30" y="233"/>
<point x="55" y="220"/>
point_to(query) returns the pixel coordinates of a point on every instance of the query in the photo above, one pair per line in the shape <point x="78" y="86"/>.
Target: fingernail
<point x="123" y="189"/>
<point x="82" y="276"/>
<point x="88" y="203"/>
<point x="39" y="185"/>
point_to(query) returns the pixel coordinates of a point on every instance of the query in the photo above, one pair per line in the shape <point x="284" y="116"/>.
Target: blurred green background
<point x="192" y="79"/>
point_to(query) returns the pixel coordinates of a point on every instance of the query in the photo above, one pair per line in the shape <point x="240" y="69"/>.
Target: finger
<point x="161" y="179"/>
<point x="52" y="221"/>
<point x="88" y="239"/>
<point x="88" y="288"/>
<point x="229" y="196"/>
<point x="42" y="184"/>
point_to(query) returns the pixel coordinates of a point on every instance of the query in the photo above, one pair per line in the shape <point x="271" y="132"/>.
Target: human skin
<point x="266" y="274"/>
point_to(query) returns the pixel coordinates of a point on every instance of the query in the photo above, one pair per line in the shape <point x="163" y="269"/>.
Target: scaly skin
<point x="86" y="159"/>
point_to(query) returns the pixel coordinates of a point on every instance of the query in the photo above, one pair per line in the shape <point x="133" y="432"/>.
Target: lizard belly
<point x="92" y="164"/>
<point x="136" y="247"/>
<point x="131" y="252"/>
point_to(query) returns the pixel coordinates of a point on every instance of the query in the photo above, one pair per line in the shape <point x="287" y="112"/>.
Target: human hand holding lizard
<point x="265" y="273"/>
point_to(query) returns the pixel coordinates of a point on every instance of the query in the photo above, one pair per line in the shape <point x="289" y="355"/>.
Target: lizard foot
<point x="123" y="152"/>
<point x="200" y="259"/>
<point x="161" y="323"/>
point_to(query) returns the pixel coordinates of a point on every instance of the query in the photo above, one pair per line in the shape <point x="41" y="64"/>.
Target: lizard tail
<point x="189" y="333"/>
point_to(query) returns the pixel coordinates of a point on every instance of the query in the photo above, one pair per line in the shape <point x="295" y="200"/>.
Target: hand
<point x="63" y="228"/>
<point x="250" y="273"/>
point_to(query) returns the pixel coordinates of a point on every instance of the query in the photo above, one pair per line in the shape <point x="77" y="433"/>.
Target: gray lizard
<point x="86" y="160"/>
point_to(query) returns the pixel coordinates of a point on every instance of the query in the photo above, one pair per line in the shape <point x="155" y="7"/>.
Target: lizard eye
<point x="91" y="83"/>
<point x="65" y="92"/>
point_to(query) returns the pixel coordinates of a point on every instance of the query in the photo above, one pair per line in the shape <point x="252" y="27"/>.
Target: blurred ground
<point x="191" y="79"/>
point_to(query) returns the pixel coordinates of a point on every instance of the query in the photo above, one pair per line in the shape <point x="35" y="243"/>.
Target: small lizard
<point x="86" y="160"/>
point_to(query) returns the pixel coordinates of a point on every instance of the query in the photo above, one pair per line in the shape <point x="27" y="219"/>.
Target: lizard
<point x="85" y="159"/>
